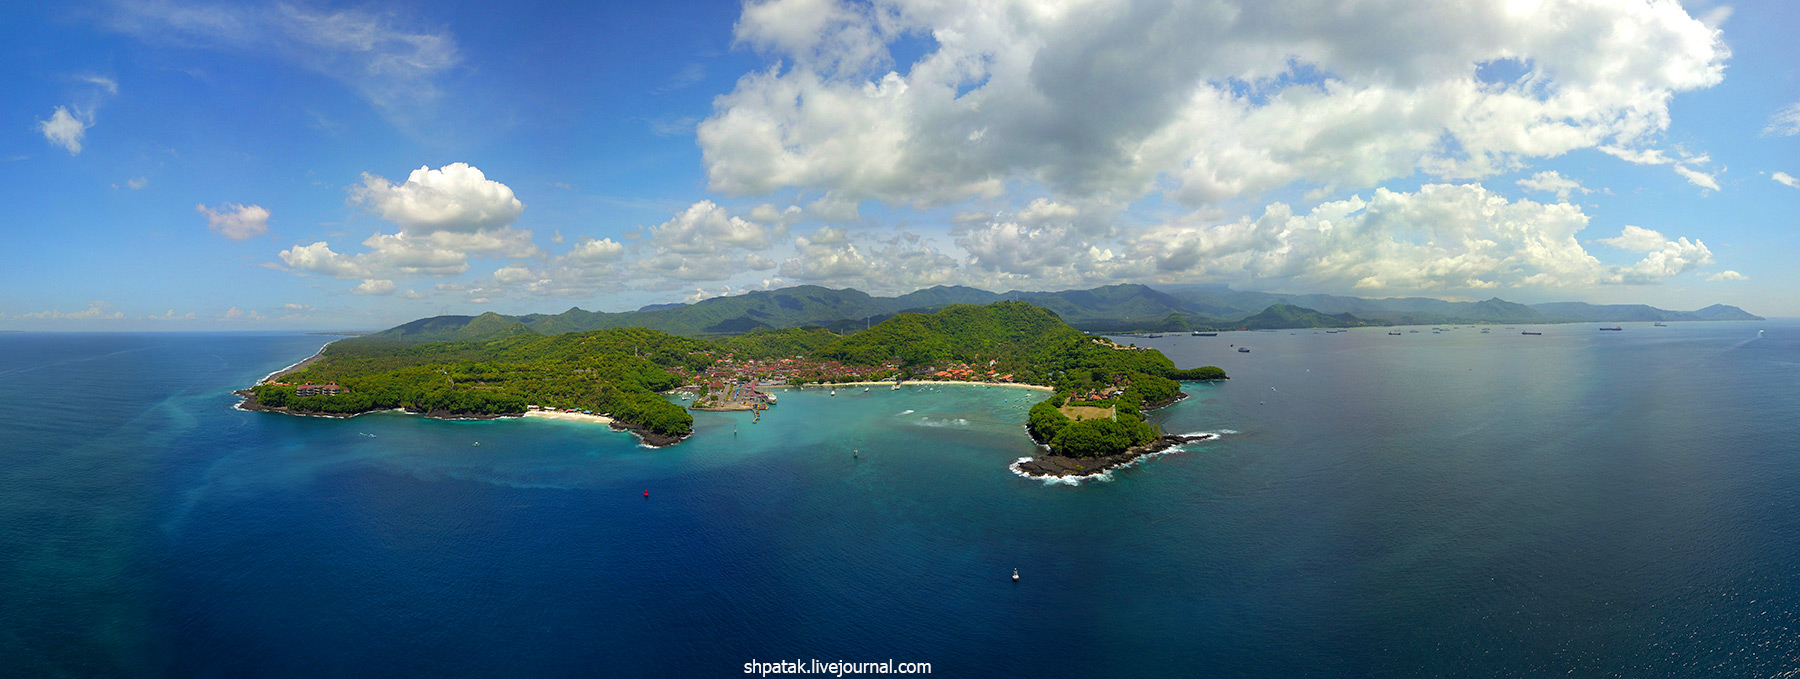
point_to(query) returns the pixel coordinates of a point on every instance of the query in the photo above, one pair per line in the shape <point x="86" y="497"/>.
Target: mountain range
<point x="1112" y="308"/>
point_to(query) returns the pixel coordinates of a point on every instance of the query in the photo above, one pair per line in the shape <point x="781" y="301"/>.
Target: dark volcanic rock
<point x="1057" y="465"/>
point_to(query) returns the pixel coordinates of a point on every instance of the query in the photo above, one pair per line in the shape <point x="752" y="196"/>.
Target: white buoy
<point x="1015" y="575"/>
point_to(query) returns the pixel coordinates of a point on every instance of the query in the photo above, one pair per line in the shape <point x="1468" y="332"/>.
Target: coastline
<point x="1055" y="467"/>
<point x="646" y="437"/>
<point x="301" y="364"/>
<point x="567" y="417"/>
<point x="890" y="383"/>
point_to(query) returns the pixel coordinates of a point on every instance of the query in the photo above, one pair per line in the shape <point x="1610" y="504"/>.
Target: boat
<point x="1412" y="332"/>
<point x="1393" y="333"/>
<point x="771" y="399"/>
<point x="1197" y="333"/>
<point x="865" y="390"/>
<point x="1528" y="332"/>
<point x="1614" y="328"/>
<point x="1243" y="350"/>
<point x="1660" y="324"/>
<point x="833" y="392"/>
<point x="1484" y="331"/>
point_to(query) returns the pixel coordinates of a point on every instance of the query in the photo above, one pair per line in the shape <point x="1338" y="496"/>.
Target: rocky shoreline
<point x="649" y="438"/>
<point x="1046" y="466"/>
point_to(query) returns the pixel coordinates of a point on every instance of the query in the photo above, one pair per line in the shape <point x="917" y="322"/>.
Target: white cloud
<point x="393" y="66"/>
<point x="97" y="310"/>
<point x="170" y="315"/>
<point x="233" y="313"/>
<point x="1684" y="163"/>
<point x="705" y="228"/>
<point x="1785" y="178"/>
<point x="1636" y="239"/>
<point x="136" y="183"/>
<point x="445" y="217"/>
<point x="66" y="129"/>
<point x="1785" y="122"/>
<point x="293" y="308"/>
<point x="1728" y="275"/>
<point x="1441" y="238"/>
<point x="457" y="197"/>
<point x="1705" y="180"/>
<point x="413" y="294"/>
<point x="319" y="258"/>
<point x="1663" y="258"/>
<point x="234" y="221"/>
<point x="1201" y="101"/>
<point x="110" y="85"/>
<point x="375" y="287"/>
<point x="1551" y="181"/>
<point x="595" y="251"/>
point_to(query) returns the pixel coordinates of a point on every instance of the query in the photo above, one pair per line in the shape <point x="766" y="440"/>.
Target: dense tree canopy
<point x="621" y="371"/>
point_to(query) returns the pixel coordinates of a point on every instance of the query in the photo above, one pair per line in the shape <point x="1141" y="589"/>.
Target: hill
<point x="619" y="371"/>
<point x="1279" y="316"/>
<point x="1112" y="308"/>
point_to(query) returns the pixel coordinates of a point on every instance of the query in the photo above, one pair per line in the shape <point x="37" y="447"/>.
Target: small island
<point x="1092" y="421"/>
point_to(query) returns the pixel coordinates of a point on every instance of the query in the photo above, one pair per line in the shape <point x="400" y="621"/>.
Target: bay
<point x="1416" y="505"/>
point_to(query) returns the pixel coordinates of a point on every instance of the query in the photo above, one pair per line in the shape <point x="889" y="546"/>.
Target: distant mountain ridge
<point x="1111" y="308"/>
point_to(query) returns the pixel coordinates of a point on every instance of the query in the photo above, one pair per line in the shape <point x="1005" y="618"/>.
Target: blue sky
<point x="331" y="165"/>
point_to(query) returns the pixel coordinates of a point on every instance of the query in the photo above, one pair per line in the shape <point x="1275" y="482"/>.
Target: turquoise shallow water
<point x="1424" y="505"/>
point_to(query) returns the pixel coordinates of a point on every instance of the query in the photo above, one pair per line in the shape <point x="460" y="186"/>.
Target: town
<point x="731" y="384"/>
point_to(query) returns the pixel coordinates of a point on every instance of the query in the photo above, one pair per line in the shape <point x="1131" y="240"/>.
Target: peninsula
<point x="622" y="375"/>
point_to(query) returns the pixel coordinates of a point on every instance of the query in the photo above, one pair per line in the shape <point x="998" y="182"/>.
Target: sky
<point x="323" y="165"/>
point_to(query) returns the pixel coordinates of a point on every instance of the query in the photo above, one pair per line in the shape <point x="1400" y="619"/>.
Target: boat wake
<point x="928" y="422"/>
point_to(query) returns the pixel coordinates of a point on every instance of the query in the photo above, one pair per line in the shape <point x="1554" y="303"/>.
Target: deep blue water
<point x="1580" y="503"/>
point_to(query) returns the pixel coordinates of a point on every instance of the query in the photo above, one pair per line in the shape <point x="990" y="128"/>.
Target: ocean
<point x="1578" y="503"/>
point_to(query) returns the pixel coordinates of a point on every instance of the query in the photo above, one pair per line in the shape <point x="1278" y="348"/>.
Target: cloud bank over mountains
<point x="1040" y="144"/>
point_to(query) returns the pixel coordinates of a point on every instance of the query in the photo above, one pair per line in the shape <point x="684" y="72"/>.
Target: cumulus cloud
<point x="234" y="221"/>
<point x="375" y="287"/>
<point x="170" y="315"/>
<point x="96" y="310"/>
<point x="1441" y="238"/>
<point x="594" y="251"/>
<point x="705" y="228"/>
<point x="445" y="217"/>
<point x="1785" y="122"/>
<point x="457" y="197"/>
<point x="1551" y="181"/>
<point x="1201" y="101"/>
<point x="66" y="129"/>
<point x="1785" y="178"/>
<point x="1663" y="258"/>
<point x="1728" y="275"/>
<point x="319" y="258"/>
<point x="1636" y="239"/>
<point x="413" y="294"/>
<point x="136" y="183"/>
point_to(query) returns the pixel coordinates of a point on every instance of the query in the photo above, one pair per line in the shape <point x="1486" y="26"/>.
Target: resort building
<point x="310" y="389"/>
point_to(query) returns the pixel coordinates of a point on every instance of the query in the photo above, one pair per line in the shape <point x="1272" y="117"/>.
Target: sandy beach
<point x="568" y="417"/>
<point x="315" y="358"/>
<point x="908" y="383"/>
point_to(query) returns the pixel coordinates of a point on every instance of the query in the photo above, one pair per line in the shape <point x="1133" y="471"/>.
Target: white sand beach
<point x="568" y="417"/>
<point x="906" y="384"/>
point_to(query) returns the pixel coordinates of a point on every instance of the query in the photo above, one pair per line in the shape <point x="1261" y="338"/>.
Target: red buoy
<point x="646" y="492"/>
